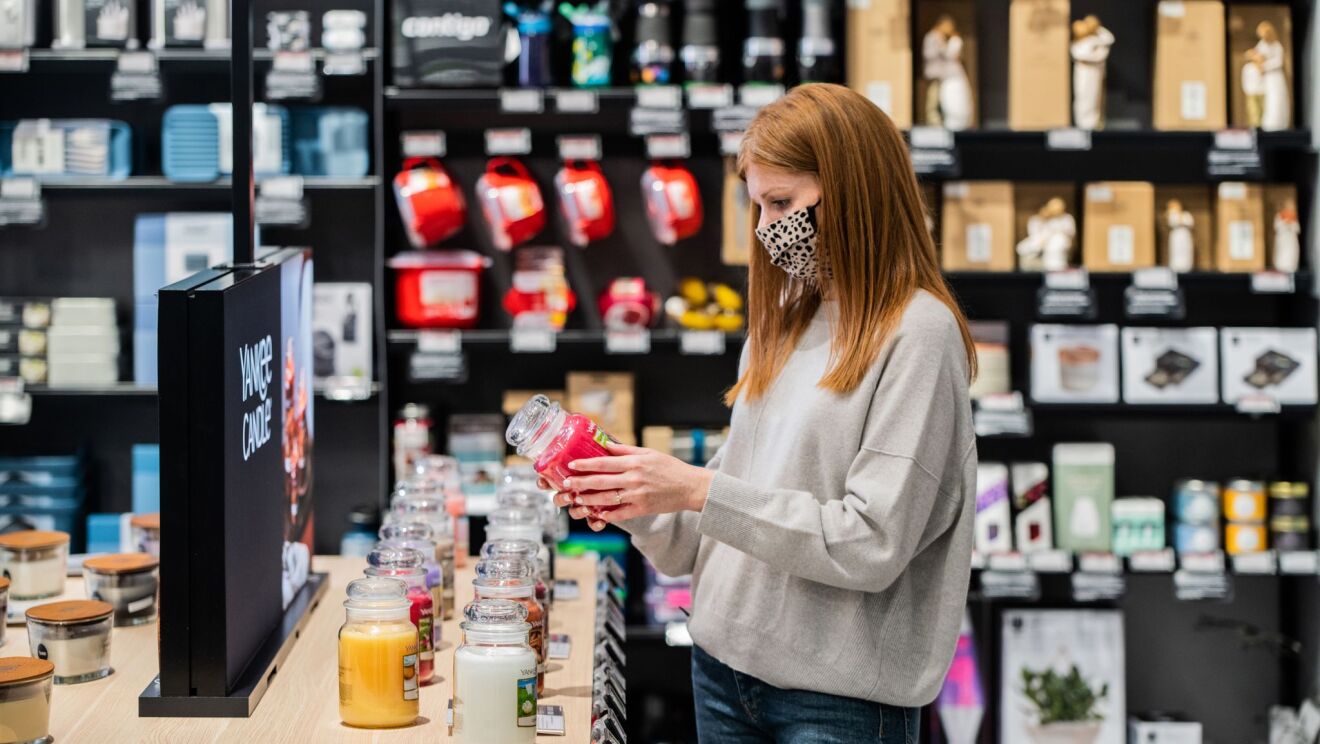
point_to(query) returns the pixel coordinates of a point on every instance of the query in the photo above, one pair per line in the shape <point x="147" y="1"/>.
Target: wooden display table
<point x="302" y="704"/>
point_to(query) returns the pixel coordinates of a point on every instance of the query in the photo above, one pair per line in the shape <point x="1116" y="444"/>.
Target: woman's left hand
<point x="632" y="482"/>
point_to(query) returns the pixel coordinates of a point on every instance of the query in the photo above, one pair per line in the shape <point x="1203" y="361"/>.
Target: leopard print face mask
<point x="791" y="243"/>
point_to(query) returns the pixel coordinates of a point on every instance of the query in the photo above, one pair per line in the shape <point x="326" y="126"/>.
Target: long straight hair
<point x="872" y="237"/>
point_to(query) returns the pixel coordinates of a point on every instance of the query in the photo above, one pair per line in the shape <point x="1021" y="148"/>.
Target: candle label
<point x="410" y="675"/>
<point x="527" y="700"/>
<point x="425" y="644"/>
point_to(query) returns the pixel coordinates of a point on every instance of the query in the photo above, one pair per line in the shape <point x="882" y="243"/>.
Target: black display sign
<point x="455" y="43"/>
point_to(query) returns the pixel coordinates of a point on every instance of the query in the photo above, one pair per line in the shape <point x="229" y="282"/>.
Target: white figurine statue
<point x="1265" y="82"/>
<point x="1287" y="236"/>
<point x="948" y="93"/>
<point x="1253" y="87"/>
<point x="1049" y="242"/>
<point x="1182" y="251"/>
<point x="1090" y="52"/>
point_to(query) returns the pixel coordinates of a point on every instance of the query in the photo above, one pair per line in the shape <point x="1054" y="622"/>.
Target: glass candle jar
<point x="515" y="579"/>
<point x="443" y="470"/>
<point x="434" y="582"/>
<point x="545" y="433"/>
<point x="528" y="496"/>
<point x="495" y="676"/>
<point x="419" y="502"/>
<point x="25" y="700"/>
<point x="406" y="565"/>
<point x="146" y="533"/>
<point x="510" y="523"/>
<point x="35" y="562"/>
<point x="128" y="582"/>
<point x="74" y="636"/>
<point x="528" y="551"/>
<point x="378" y="659"/>
<point x="4" y="607"/>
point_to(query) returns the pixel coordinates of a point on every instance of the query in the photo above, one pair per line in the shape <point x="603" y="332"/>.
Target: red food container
<point x="438" y="289"/>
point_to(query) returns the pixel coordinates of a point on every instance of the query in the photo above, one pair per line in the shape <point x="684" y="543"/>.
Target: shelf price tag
<point x="1007" y="562"/>
<point x="628" y="342"/>
<point x="1262" y="563"/>
<point x="1212" y="563"/>
<point x="757" y="95"/>
<point x="710" y="96"/>
<point x="1235" y="139"/>
<point x="732" y="118"/>
<point x="1099" y="563"/>
<point x="643" y="121"/>
<point x="509" y="141"/>
<point x="423" y="144"/>
<point x="560" y="646"/>
<point x="280" y="201"/>
<point x="522" y="101"/>
<point x="659" y="96"/>
<point x="1258" y="404"/>
<point x="1196" y="586"/>
<point x="136" y="77"/>
<point x="730" y="143"/>
<point x="1002" y="415"/>
<point x="664" y="146"/>
<point x="550" y="720"/>
<point x="426" y="366"/>
<point x="701" y="343"/>
<point x="293" y="76"/>
<point x="1097" y="587"/>
<point x="1165" y="304"/>
<point x="439" y="341"/>
<point x="567" y="590"/>
<point x="13" y="60"/>
<point x="1050" y="561"/>
<point x="930" y="138"/>
<point x="1152" y="561"/>
<point x="1273" y="282"/>
<point x="1023" y="585"/>
<point x="532" y="341"/>
<point x="570" y="101"/>
<point x="1066" y="294"/>
<point x="1303" y="562"/>
<point x="1069" y="138"/>
<point x="579" y="147"/>
<point x="20" y="202"/>
<point x="1155" y="277"/>
<point x="15" y="405"/>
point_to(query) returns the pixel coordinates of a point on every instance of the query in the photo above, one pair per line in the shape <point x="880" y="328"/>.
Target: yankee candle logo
<point x="449" y="26"/>
<point x="254" y="364"/>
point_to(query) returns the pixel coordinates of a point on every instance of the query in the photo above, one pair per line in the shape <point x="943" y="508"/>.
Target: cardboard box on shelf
<point x="977" y="226"/>
<point x="1029" y="197"/>
<point x="1240" y="233"/>
<point x="606" y="398"/>
<point x="963" y="13"/>
<point x="880" y="56"/>
<point x="1196" y="199"/>
<point x="1190" y="90"/>
<point x="736" y="240"/>
<point x="1119" y="226"/>
<point x="1279" y="198"/>
<point x="1039" y="68"/>
<point x="1243" y="20"/>
<point x="1083" y="496"/>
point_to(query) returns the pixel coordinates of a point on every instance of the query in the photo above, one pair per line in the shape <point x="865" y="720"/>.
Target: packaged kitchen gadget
<point x="408" y="566"/>
<point x="585" y="200"/>
<point x="495" y="676"/>
<point x="553" y="437"/>
<point x="35" y="562"/>
<point x="378" y="656"/>
<point x="1074" y="363"/>
<point x="515" y="579"/>
<point x="128" y="582"/>
<point x="627" y="305"/>
<point x="430" y="203"/>
<point x="511" y="202"/>
<point x="673" y="202"/>
<point x="74" y="636"/>
<point x="440" y="289"/>
<point x="25" y="699"/>
<point x="540" y="296"/>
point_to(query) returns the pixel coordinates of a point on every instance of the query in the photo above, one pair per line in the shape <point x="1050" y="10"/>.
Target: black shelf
<point x="1193" y="281"/>
<point x="1133" y="410"/>
<point x="134" y="390"/>
<point x="153" y="183"/>
<point x="71" y="60"/>
<point x="571" y="337"/>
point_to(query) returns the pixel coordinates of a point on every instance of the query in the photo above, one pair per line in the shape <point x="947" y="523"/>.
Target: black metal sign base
<point x="254" y="682"/>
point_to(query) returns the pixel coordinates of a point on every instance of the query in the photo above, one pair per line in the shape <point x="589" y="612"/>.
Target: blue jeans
<point x="733" y="708"/>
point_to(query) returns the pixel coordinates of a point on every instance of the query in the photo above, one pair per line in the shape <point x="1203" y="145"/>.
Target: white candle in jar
<point x="36" y="579"/>
<point x="75" y="657"/>
<point x="24" y="699"/>
<point x="488" y="708"/>
<point x="74" y="636"/>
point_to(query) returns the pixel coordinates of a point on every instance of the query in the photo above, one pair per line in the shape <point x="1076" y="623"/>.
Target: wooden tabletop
<point x="302" y="704"/>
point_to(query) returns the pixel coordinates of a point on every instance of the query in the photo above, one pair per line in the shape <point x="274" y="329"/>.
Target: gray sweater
<point x="834" y="550"/>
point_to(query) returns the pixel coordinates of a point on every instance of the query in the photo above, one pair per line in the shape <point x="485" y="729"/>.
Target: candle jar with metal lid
<point x="378" y="664"/>
<point x="25" y="700"/>
<point x="35" y="562"/>
<point x="74" y="636"/>
<point x="515" y="579"/>
<point x="421" y="502"/>
<point x="128" y="581"/>
<point x="146" y="533"/>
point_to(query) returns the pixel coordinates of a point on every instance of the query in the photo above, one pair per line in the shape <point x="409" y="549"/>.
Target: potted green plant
<point x="1066" y="707"/>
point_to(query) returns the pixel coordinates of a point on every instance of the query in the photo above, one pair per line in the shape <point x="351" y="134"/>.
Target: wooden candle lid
<point x="33" y="539"/>
<point x="70" y="612"/>
<point x="121" y="563"/>
<point x="18" y="669"/>
<point x="146" y="521"/>
<point x="4" y="584"/>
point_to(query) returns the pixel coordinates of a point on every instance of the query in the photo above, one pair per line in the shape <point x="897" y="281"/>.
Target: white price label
<point x="13" y="60"/>
<point x="628" y="342"/>
<point x="19" y="189"/>
<point x="1273" y="282"/>
<point x="560" y="646"/>
<point x="1155" y="277"/>
<point x="710" y="96"/>
<point x="282" y="187"/>
<point x="579" y="147"/>
<point x="1172" y="9"/>
<point x="662" y="146"/>
<point x="1193" y="100"/>
<point x="1233" y="191"/>
<point x="1152" y="561"/>
<point x="294" y="62"/>
<point x="439" y="341"/>
<point x="1007" y="562"/>
<point x="978" y="560"/>
<point x="1122" y="245"/>
<point x="757" y="95"/>
<point x="881" y="93"/>
<point x="567" y="589"/>
<point x="1203" y="562"/>
<point x="1257" y="404"/>
<point x="522" y="101"/>
<point x="137" y="62"/>
<point x="931" y="138"/>
<point x="1070" y="279"/>
<point x="508" y="141"/>
<point x="1241" y="240"/>
<point x="1099" y="193"/>
<point x="1099" y="563"/>
<point x="1235" y="139"/>
<point x="1050" y="561"/>
<point x="532" y="341"/>
<point x="660" y="96"/>
<point x="980" y="242"/>
<point x="1068" y="139"/>
<point x="955" y="190"/>
<point x="1305" y="562"/>
<point x="430" y="144"/>
<point x="550" y="720"/>
<point x="701" y="342"/>
<point x="1262" y="563"/>
<point x="577" y="102"/>
<point x="730" y="143"/>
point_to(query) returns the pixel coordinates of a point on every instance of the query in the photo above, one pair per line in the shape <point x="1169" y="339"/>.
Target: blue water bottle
<point x="593" y="43"/>
<point x="534" y="38"/>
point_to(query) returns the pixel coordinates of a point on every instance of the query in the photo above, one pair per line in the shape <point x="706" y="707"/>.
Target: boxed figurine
<point x="1038" y="64"/>
<point x="1240" y="245"/>
<point x="1190" y="91"/>
<point x="880" y="56"/>
<point x="1119" y="226"/>
<point x="977" y="226"/>
<point x="1170" y="365"/>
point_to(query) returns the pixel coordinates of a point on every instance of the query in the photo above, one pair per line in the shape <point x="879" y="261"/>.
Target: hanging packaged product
<point x="431" y="205"/>
<point x="627" y="305"/>
<point x="408" y="566"/>
<point x="699" y="306"/>
<point x="533" y="41"/>
<point x="653" y="59"/>
<point x="74" y="636"/>
<point x="585" y="200"/>
<point x="593" y="43"/>
<point x="511" y="202"/>
<point x="378" y="656"/>
<point x="673" y="202"/>
<point x="439" y="289"/>
<point x="495" y="676"/>
<point x="448" y="43"/>
<point x="35" y="563"/>
<point x="540" y="296"/>
<point x="414" y="502"/>
<point x="700" y="54"/>
<point x="552" y="438"/>
<point x="128" y="581"/>
<point x="25" y="699"/>
<point x="515" y="579"/>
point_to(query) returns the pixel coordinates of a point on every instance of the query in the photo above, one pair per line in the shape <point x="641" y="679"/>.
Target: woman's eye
<point x="780" y="204"/>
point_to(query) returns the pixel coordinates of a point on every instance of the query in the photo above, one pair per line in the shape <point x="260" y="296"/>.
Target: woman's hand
<point x="632" y="482"/>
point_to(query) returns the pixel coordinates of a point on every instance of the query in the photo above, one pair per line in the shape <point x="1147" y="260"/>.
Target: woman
<point x="829" y="540"/>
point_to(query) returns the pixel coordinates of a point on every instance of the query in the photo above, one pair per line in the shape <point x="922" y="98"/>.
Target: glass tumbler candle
<point x="74" y="636"/>
<point x="515" y="579"/>
<point x="25" y="700"/>
<point x="495" y="676"/>
<point x="378" y="656"/>
<point x="406" y="565"/>
<point x="35" y="562"/>
<point x="128" y="582"/>
<point x="551" y="437"/>
<point x="421" y="502"/>
<point x="146" y="533"/>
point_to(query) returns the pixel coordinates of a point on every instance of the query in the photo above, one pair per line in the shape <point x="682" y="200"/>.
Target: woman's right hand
<point x="565" y="499"/>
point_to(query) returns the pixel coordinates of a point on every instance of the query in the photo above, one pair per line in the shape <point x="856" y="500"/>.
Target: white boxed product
<point x="62" y="339"/>
<point x="994" y="518"/>
<point x="1074" y="363"/>
<point x="1277" y="362"/>
<point x="1163" y="732"/>
<point x="341" y="330"/>
<point x="82" y="311"/>
<point x="1034" y="528"/>
<point x="82" y="370"/>
<point x="1170" y="365"/>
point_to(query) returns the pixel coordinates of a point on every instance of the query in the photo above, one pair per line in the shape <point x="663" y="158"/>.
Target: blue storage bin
<point x="119" y="161"/>
<point x="331" y="141"/>
<point x="23" y="473"/>
<point x="103" y="533"/>
<point x="192" y="135"/>
<point x="43" y="509"/>
<point x="146" y="478"/>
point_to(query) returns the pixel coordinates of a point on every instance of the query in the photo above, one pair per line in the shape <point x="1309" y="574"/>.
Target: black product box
<point x="448" y="43"/>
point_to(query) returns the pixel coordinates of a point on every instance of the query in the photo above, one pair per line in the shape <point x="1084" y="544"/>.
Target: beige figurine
<point x="1287" y="238"/>
<point x="1181" y="249"/>
<point x="948" y="92"/>
<point x="1049" y="242"/>
<point x="1090" y="54"/>
<point x="1265" y="81"/>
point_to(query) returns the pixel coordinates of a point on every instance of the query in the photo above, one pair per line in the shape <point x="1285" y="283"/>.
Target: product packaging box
<point x="1033" y="527"/>
<point x="1277" y="362"/>
<point x="736" y="238"/>
<point x="1197" y="201"/>
<point x="1039" y="66"/>
<point x="1138" y="525"/>
<point x="994" y="363"/>
<point x="1029" y="199"/>
<point x="341" y="330"/>
<point x="994" y="518"/>
<point x="448" y="43"/>
<point x="477" y="442"/>
<point x="1281" y="218"/>
<point x="1074" y="363"/>
<point x="880" y="56"/>
<point x="1119" y="226"/>
<point x="1163" y="731"/>
<point x="1190" y="90"/>
<point x="1240" y="244"/>
<point x="977" y="226"/>
<point x="1244" y="21"/>
<point x="1083" y="496"/>
<point x="963" y="13"/>
<point x="607" y="399"/>
<point x="1170" y="365"/>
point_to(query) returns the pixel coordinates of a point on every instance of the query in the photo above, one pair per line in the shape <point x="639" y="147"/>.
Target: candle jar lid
<point x="146" y="521"/>
<point x="531" y="427"/>
<point x="17" y="670"/>
<point x="425" y="547"/>
<point x="525" y="549"/>
<point x="390" y="558"/>
<point x="514" y="517"/>
<point x="377" y="593"/>
<point x="506" y="576"/>
<point x="501" y="613"/>
<point x="520" y="475"/>
<point x="71" y="612"/>
<point x="406" y="530"/>
<point x="121" y="563"/>
<point x="521" y="496"/>
<point x="4" y="584"/>
<point x="33" y="539"/>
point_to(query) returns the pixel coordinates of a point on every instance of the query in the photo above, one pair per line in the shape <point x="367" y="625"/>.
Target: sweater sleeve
<point x="670" y="541"/>
<point x="894" y="502"/>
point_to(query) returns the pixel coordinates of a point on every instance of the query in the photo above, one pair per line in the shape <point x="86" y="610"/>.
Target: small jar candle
<point x="378" y="664"/>
<point x="35" y="562"/>
<point x="74" y="636"/>
<point x="146" y="533"/>
<point x="495" y="676"/>
<point x="1244" y="501"/>
<point x="434" y="576"/>
<point x="513" y="523"/>
<point x="127" y="581"/>
<point x="515" y="579"/>
<point x="406" y="565"/>
<point x="416" y="501"/>
<point x="547" y="434"/>
<point x="25" y="700"/>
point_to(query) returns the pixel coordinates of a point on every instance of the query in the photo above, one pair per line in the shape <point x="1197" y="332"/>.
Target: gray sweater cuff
<point x="728" y="514"/>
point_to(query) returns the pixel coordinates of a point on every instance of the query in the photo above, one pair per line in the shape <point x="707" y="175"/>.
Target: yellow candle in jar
<point x="378" y="674"/>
